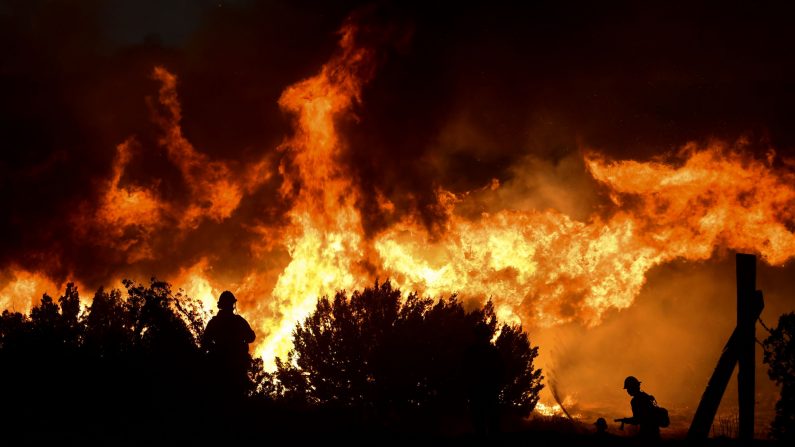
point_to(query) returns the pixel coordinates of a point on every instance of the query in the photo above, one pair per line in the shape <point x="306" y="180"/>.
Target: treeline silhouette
<point x="130" y="369"/>
<point x="126" y="367"/>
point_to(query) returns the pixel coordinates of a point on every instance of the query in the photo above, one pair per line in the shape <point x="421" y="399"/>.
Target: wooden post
<point x="746" y="329"/>
<point x="710" y="400"/>
<point x="737" y="350"/>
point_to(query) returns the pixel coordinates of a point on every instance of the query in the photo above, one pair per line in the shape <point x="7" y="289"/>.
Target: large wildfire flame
<point x="541" y="267"/>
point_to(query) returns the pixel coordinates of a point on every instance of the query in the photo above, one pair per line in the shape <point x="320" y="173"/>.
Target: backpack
<point x="660" y="414"/>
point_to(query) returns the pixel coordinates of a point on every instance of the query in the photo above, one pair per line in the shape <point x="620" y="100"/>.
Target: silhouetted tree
<point x="41" y="362"/>
<point x="129" y="364"/>
<point x="124" y="365"/>
<point x="519" y="392"/>
<point x="412" y="358"/>
<point x="159" y="323"/>
<point x="107" y="331"/>
<point x="70" y="315"/>
<point x="13" y="327"/>
<point x="780" y="356"/>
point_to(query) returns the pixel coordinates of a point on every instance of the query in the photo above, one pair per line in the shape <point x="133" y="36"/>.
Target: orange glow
<point x="195" y="283"/>
<point x="125" y="208"/>
<point x="548" y="410"/>
<point x="216" y="193"/>
<point x="325" y="239"/>
<point x="540" y="267"/>
<point x="25" y="289"/>
<point x="716" y="197"/>
<point x="555" y="409"/>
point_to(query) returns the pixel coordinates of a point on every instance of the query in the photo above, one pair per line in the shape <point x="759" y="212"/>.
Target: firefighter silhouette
<point x="643" y="410"/>
<point x="226" y="340"/>
<point x="601" y="426"/>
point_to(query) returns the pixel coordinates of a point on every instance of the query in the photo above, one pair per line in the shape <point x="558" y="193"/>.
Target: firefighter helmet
<point x="226" y="300"/>
<point x="631" y="381"/>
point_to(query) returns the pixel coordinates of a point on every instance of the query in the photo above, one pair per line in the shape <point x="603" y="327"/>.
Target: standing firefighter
<point x="225" y="341"/>
<point x="644" y="411"/>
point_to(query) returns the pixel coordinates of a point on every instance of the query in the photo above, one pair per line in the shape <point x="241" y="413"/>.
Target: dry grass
<point x="726" y="427"/>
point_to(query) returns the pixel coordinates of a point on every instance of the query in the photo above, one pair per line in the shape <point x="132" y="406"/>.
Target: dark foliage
<point x="123" y="368"/>
<point x="129" y="369"/>
<point x="410" y="362"/>
<point x="780" y="357"/>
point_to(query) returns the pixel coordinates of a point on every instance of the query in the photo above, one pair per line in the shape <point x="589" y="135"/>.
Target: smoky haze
<point x="670" y="339"/>
<point x="464" y="96"/>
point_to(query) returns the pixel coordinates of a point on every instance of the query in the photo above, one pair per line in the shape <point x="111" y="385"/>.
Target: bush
<point x="121" y="366"/>
<point x="404" y="361"/>
<point x="780" y="356"/>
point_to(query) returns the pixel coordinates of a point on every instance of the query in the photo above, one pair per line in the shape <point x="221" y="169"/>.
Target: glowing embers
<point x="556" y="410"/>
<point x="548" y="410"/>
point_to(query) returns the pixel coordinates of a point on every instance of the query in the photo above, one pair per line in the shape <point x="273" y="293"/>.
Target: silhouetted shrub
<point x="129" y="367"/>
<point x="780" y="356"/>
<point x="122" y="365"/>
<point x="410" y="360"/>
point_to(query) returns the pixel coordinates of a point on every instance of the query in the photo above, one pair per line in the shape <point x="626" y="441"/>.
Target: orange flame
<point x="325" y="240"/>
<point x="129" y="216"/>
<point x="716" y="198"/>
<point x="126" y="217"/>
<point x="215" y="192"/>
<point x="541" y="267"/>
<point x="24" y="288"/>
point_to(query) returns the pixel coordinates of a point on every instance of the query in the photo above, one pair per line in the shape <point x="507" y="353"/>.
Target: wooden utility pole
<point x="739" y="349"/>
<point x="746" y="329"/>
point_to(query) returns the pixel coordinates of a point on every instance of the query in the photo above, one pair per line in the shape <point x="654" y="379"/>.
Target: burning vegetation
<point x="540" y="267"/>
<point x="319" y="211"/>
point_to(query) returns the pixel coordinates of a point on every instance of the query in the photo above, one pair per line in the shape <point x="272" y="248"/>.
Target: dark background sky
<point x="472" y="91"/>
